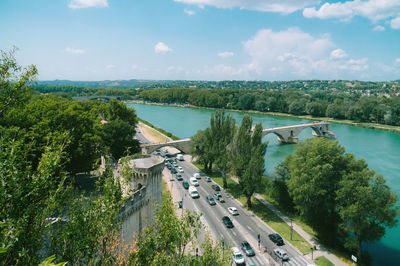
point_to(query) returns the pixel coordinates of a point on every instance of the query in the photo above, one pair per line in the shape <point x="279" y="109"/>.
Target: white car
<point x="238" y="257"/>
<point x="193" y="181"/>
<point x="180" y="169"/>
<point x="281" y="254"/>
<point x="197" y="175"/>
<point x="233" y="211"/>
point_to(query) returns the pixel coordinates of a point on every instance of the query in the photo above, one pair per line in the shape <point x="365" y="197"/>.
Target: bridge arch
<point x="280" y="137"/>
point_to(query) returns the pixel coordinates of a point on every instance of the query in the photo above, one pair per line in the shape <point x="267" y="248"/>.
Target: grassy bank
<point x="395" y="129"/>
<point x="322" y="261"/>
<point x="166" y="133"/>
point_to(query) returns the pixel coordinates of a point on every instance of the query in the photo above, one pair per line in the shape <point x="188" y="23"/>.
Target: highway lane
<point x="247" y="226"/>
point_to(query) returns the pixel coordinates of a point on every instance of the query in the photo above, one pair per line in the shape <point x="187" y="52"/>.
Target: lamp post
<point x="291" y="229"/>
<point x="312" y="254"/>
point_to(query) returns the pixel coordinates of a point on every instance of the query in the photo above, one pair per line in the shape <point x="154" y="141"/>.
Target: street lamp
<point x="312" y="254"/>
<point x="291" y="229"/>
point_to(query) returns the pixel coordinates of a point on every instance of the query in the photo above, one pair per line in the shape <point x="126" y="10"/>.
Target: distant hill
<point x="104" y="83"/>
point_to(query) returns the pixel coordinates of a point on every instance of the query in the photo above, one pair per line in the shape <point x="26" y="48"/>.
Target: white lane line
<point x="258" y="260"/>
<point x="303" y="260"/>
<point x="233" y="232"/>
<point x="294" y="262"/>
<point x="249" y="228"/>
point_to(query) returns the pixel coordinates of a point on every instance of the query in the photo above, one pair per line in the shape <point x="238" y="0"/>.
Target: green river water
<point x="381" y="150"/>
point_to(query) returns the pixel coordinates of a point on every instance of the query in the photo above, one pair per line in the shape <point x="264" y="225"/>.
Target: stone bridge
<point x="183" y="145"/>
<point x="286" y="134"/>
<point x="289" y="134"/>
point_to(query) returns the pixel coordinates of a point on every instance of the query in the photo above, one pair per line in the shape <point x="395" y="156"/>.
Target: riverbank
<point x="383" y="127"/>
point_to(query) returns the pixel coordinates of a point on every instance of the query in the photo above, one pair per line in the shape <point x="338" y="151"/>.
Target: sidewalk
<point x="321" y="250"/>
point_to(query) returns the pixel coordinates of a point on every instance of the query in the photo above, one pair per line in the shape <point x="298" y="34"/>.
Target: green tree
<point x="247" y="157"/>
<point x="172" y="240"/>
<point x="27" y="196"/>
<point x="201" y="146"/>
<point x="222" y="130"/>
<point x="15" y="81"/>
<point x="365" y="205"/>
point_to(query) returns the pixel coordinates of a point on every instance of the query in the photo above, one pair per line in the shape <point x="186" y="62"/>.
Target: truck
<point x="193" y="192"/>
<point x="180" y="157"/>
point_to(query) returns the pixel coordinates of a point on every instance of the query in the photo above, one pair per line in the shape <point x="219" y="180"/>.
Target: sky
<point x="205" y="39"/>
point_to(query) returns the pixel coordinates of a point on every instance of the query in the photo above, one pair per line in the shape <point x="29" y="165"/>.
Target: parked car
<point x="173" y="170"/>
<point x="233" y="211"/>
<point x="211" y="200"/>
<point x="180" y="169"/>
<point x="248" y="250"/>
<point x="238" y="257"/>
<point x="179" y="177"/>
<point x="208" y="179"/>
<point x="193" y="181"/>
<point x="281" y="254"/>
<point x="227" y="221"/>
<point x="277" y="239"/>
<point x="185" y="184"/>
<point x="219" y="197"/>
<point x="216" y="187"/>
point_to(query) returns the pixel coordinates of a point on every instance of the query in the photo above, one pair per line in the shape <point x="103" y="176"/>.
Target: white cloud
<point x="189" y="12"/>
<point x="134" y="67"/>
<point x="87" y="3"/>
<point x="378" y="28"/>
<point x="291" y="51"/>
<point x="110" y="66"/>
<point x="174" y="69"/>
<point x="281" y="6"/>
<point x="374" y="10"/>
<point x="338" y="54"/>
<point x="225" y="54"/>
<point x="356" y="65"/>
<point x="397" y="61"/>
<point x="74" y="51"/>
<point x="395" y="23"/>
<point x="162" y="48"/>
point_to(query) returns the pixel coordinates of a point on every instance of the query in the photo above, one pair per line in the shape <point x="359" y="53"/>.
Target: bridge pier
<point x="289" y="140"/>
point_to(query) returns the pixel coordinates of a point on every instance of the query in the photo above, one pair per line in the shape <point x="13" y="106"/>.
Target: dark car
<point x="179" y="177"/>
<point x="277" y="239"/>
<point x="216" y="187"/>
<point x="185" y="184"/>
<point x="211" y="200"/>
<point x="169" y="166"/>
<point x="173" y="170"/>
<point x="248" y="250"/>
<point x="228" y="223"/>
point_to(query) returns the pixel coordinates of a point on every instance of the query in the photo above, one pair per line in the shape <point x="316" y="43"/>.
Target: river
<point x="380" y="149"/>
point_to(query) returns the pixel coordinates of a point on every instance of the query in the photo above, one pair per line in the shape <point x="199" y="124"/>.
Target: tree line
<point x="344" y="201"/>
<point x="335" y="104"/>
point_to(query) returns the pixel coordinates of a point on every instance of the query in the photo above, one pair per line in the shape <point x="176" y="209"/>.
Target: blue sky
<point x="205" y="39"/>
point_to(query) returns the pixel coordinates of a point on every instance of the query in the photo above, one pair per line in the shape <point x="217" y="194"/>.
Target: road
<point x="246" y="225"/>
<point x="140" y="137"/>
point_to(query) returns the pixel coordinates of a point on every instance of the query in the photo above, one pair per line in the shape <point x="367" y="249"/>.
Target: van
<point x="197" y="175"/>
<point x="238" y="257"/>
<point x="193" y="192"/>
<point x="194" y="182"/>
<point x="180" y="157"/>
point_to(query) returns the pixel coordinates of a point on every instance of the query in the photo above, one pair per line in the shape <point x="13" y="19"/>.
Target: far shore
<point x="377" y="126"/>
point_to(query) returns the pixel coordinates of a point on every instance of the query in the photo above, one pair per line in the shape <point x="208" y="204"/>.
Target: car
<point x="238" y="257"/>
<point x="180" y="169"/>
<point x="248" y="250"/>
<point x="175" y="164"/>
<point x="169" y="166"/>
<point x="216" y="187"/>
<point x="227" y="221"/>
<point x="193" y="181"/>
<point x="277" y="239"/>
<point x="179" y="177"/>
<point x="219" y="197"/>
<point x="233" y="211"/>
<point x="173" y="170"/>
<point x="185" y="184"/>
<point x="197" y="175"/>
<point x="208" y="179"/>
<point x="211" y="200"/>
<point x="281" y="254"/>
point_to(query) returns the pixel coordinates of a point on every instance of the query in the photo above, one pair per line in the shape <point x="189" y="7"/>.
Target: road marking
<point x="233" y="232"/>
<point x="249" y="228"/>
<point x="258" y="260"/>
